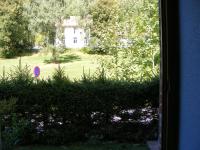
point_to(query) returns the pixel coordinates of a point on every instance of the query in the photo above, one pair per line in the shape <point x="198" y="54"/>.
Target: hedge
<point x="60" y="111"/>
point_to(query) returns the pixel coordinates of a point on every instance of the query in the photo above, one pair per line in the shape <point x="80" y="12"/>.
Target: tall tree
<point x="104" y="24"/>
<point x="136" y="53"/>
<point x="14" y="32"/>
<point x="44" y="14"/>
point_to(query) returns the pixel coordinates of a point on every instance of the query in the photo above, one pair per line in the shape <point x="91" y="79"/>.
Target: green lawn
<point x="72" y="61"/>
<point x="89" y="147"/>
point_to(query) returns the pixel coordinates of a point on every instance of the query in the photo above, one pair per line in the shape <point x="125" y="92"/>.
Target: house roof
<point x="73" y="21"/>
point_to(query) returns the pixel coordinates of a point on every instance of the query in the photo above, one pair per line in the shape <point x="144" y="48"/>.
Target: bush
<point x="87" y="50"/>
<point x="14" y="134"/>
<point x="61" y="111"/>
<point x="10" y="134"/>
<point x="94" y="50"/>
<point x="54" y="50"/>
<point x="55" y="53"/>
<point x="5" y="53"/>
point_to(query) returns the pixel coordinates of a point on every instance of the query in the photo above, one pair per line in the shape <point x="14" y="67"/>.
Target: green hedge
<point x="71" y="111"/>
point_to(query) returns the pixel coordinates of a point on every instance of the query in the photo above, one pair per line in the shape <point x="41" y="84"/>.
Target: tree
<point x="15" y="35"/>
<point x="104" y="27"/>
<point x="43" y="15"/>
<point x="146" y="39"/>
<point x="136" y="55"/>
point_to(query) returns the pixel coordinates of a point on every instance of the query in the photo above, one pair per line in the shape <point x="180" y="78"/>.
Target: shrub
<point x="53" y="50"/>
<point x="91" y="49"/>
<point x="6" y="53"/>
<point x="9" y="53"/>
<point x="7" y="107"/>
<point x="55" y="53"/>
<point x="61" y="111"/>
<point x="87" y="50"/>
<point x="40" y="39"/>
<point x="13" y="134"/>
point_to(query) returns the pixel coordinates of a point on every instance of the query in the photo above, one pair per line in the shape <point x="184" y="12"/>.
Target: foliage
<point x="44" y="15"/>
<point x="83" y="146"/>
<point x="59" y="75"/>
<point x="20" y="20"/>
<point x="61" y="111"/>
<point x="15" y="35"/>
<point x="55" y="53"/>
<point x="104" y="32"/>
<point x="87" y="50"/>
<point x="40" y="39"/>
<point x="146" y="47"/>
<point x="21" y="74"/>
<point x="127" y="30"/>
<point x="7" y="107"/>
<point x="13" y="134"/>
<point x="134" y="41"/>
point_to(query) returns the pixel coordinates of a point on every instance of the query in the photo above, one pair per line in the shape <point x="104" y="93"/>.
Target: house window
<point x="85" y="40"/>
<point x="75" y="39"/>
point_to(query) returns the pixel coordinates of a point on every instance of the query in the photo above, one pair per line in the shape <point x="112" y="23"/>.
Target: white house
<point x="74" y="35"/>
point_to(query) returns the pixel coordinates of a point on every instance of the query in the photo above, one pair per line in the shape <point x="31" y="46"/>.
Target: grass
<point x="73" y="63"/>
<point x="88" y="147"/>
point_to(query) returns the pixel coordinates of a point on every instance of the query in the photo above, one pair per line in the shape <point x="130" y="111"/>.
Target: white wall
<point x="69" y="35"/>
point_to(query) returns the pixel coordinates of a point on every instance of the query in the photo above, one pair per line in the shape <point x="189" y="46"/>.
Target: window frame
<point x="169" y="74"/>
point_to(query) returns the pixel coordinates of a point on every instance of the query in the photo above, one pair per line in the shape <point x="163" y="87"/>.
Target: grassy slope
<point x="73" y="63"/>
<point x="89" y="147"/>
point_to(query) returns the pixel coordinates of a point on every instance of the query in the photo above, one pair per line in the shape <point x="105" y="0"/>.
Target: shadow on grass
<point x="64" y="59"/>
